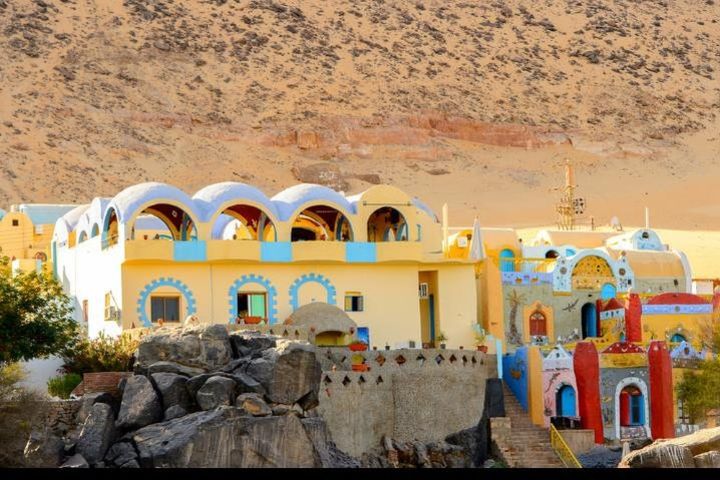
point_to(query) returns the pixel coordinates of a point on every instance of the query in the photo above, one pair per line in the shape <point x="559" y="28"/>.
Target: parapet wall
<point x="406" y="394"/>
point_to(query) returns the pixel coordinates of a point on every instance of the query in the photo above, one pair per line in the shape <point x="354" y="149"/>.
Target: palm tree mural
<point x="515" y="299"/>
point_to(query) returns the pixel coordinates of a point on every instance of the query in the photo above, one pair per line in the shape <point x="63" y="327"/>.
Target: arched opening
<point x="591" y="273"/>
<point x="41" y="256"/>
<point x="95" y="231"/>
<point x="507" y="260"/>
<point x="179" y="224"/>
<point x="538" y="324"/>
<point x="589" y="320"/>
<point x="387" y="224"/>
<point x="678" y="338"/>
<point x="565" y="401"/>
<point x="251" y="223"/>
<point x="110" y="229"/>
<point x="321" y="223"/>
<point x="552" y="254"/>
<point x="330" y="339"/>
<point x="632" y="407"/>
<point x="83" y="236"/>
<point x="608" y="291"/>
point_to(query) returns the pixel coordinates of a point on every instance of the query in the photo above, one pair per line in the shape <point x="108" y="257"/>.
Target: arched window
<point x="507" y="260"/>
<point x="179" y="224"/>
<point x="323" y="223"/>
<point x="608" y="291"/>
<point x="632" y="407"/>
<point x="387" y="224"/>
<point x="95" y="231"/>
<point x="41" y="256"/>
<point x="538" y="324"/>
<point x="83" y="236"/>
<point x="250" y="223"/>
<point x="110" y="229"/>
<point x="552" y="254"/>
<point x="678" y="338"/>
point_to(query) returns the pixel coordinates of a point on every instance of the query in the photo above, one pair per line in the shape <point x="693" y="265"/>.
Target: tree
<point x="36" y="318"/>
<point x="699" y="390"/>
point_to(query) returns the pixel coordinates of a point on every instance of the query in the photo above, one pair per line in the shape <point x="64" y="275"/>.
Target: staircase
<point x="527" y="445"/>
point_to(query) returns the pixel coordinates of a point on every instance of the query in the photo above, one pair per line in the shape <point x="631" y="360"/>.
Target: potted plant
<point x="252" y="320"/>
<point x="358" y="346"/>
<point x="480" y="337"/>
<point x="442" y="338"/>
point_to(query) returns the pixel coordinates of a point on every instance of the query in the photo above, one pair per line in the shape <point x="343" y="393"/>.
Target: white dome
<point x="290" y="199"/>
<point x="211" y="198"/>
<point x="127" y="202"/>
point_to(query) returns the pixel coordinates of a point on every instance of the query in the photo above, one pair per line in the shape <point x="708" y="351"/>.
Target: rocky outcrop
<point x="225" y="438"/>
<point x="205" y="347"/>
<point x="173" y="391"/>
<point x="140" y="404"/>
<point x="695" y="450"/>
<point x="708" y="460"/>
<point x="97" y="434"/>
<point x="215" y="392"/>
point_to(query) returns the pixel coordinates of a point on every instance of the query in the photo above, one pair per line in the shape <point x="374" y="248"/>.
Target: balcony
<point x="319" y="251"/>
<point x="149" y="250"/>
<point x="247" y="250"/>
<point x="399" y="251"/>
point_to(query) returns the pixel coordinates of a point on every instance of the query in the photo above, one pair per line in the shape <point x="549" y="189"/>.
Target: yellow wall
<point x="536" y="403"/>
<point x="391" y="303"/>
<point x="21" y="241"/>
<point x="549" y="318"/>
<point x="662" y="327"/>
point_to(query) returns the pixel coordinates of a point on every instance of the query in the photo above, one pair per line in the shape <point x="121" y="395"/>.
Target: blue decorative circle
<point x="260" y="280"/>
<point x="311" y="277"/>
<point x="164" y="282"/>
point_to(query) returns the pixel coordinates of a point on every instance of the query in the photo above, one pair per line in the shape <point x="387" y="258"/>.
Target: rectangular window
<point x="354" y="302"/>
<point x="683" y="414"/>
<point x="85" y="312"/>
<point x="166" y="309"/>
<point x="252" y="304"/>
<point x="15" y="222"/>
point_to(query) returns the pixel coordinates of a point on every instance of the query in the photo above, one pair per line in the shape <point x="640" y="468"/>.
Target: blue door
<point x="589" y="320"/>
<point x="637" y="410"/>
<point x="507" y="260"/>
<point x="565" y="400"/>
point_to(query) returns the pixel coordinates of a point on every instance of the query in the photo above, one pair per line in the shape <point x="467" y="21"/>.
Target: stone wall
<point x="406" y="394"/>
<point x="62" y="415"/>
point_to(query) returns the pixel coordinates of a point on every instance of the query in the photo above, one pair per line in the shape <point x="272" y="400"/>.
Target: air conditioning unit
<point x="423" y="291"/>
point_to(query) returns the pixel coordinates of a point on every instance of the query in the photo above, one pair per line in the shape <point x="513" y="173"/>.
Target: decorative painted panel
<point x="526" y="279"/>
<point x="515" y="373"/>
<point x="311" y="277"/>
<point x="676" y="309"/>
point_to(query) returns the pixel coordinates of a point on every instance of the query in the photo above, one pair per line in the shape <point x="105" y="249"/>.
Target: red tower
<point x="586" y="364"/>
<point x="633" y="319"/>
<point x="661" y="398"/>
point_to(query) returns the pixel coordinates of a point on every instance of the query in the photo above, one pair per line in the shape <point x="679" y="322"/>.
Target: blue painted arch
<point x="507" y="260"/>
<point x="164" y="282"/>
<point x="311" y="277"/>
<point x="608" y="291"/>
<point x="565" y="401"/>
<point x="259" y="280"/>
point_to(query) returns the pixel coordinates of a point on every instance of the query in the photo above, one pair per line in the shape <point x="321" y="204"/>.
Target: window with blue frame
<point x="507" y="260"/>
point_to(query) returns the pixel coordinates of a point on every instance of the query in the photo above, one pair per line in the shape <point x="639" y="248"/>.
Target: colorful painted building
<point x="152" y="254"/>
<point x="25" y="234"/>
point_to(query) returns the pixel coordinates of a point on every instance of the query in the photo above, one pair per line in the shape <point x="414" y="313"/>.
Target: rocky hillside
<point x="98" y="95"/>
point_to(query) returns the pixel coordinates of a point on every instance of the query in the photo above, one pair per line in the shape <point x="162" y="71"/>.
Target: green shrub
<point x="61" y="386"/>
<point x="102" y="354"/>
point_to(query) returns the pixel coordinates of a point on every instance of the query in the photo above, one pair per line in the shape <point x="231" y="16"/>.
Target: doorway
<point x="565" y="401"/>
<point x="589" y="320"/>
<point x="252" y="304"/>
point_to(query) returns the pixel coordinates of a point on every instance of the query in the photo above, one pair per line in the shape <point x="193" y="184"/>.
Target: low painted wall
<point x="515" y="374"/>
<point x="579" y="441"/>
<point x="407" y="394"/>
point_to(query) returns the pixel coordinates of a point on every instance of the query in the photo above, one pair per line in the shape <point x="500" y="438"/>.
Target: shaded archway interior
<point x="321" y="222"/>
<point x="387" y="224"/>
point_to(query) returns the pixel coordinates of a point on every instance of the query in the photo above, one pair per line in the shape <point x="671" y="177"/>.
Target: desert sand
<point x="476" y="104"/>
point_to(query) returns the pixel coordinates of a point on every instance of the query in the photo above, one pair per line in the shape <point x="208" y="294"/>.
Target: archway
<point x="678" y="338"/>
<point x="95" y="231"/>
<point x="591" y="273"/>
<point x="631" y="408"/>
<point x="110" y="235"/>
<point x="179" y="224"/>
<point x="589" y="320"/>
<point x="41" y="256"/>
<point x="251" y="223"/>
<point x="165" y="300"/>
<point x="329" y="291"/>
<point x="83" y="236"/>
<point x="321" y="222"/>
<point x="387" y="224"/>
<point x="255" y="301"/>
<point x="538" y="324"/>
<point x="507" y="260"/>
<point x="552" y="254"/>
<point x="565" y="401"/>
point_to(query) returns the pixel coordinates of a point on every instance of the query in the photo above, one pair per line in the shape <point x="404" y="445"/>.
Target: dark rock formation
<point x="97" y="434"/>
<point x="215" y="392"/>
<point x="172" y="390"/>
<point x="207" y="347"/>
<point x="140" y="404"/>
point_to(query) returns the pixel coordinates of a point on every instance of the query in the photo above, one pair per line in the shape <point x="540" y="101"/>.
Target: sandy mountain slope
<point x="471" y="102"/>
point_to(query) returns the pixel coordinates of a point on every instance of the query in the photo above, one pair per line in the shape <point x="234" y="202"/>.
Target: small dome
<point x="324" y="317"/>
<point x="210" y="198"/>
<point x="129" y="200"/>
<point x="290" y="199"/>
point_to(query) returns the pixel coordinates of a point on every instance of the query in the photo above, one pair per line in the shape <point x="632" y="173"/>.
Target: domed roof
<point x="129" y="200"/>
<point x="93" y="215"/>
<point x="324" y="317"/>
<point x="210" y="198"/>
<point x="68" y="222"/>
<point x="292" y="198"/>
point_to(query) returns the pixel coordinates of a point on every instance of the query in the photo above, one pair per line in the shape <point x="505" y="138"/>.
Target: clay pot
<point x="360" y="368"/>
<point x="357" y="347"/>
<point x="252" y="320"/>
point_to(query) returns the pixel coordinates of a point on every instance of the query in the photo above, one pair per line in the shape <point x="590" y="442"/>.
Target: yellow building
<point x="231" y="254"/>
<point x="25" y="234"/>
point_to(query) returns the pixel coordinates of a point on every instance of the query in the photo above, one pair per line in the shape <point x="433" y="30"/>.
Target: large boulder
<point x="674" y="452"/>
<point x="327" y="452"/>
<point x="172" y="390"/>
<point x="664" y="455"/>
<point x="708" y="460"/>
<point x="215" y="392"/>
<point x="76" y="461"/>
<point x="253" y="404"/>
<point x="43" y="449"/>
<point x="122" y="454"/>
<point x="172" y="367"/>
<point x="205" y="346"/>
<point x="288" y="373"/>
<point x="193" y="441"/>
<point x="140" y="404"/>
<point x="97" y="434"/>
